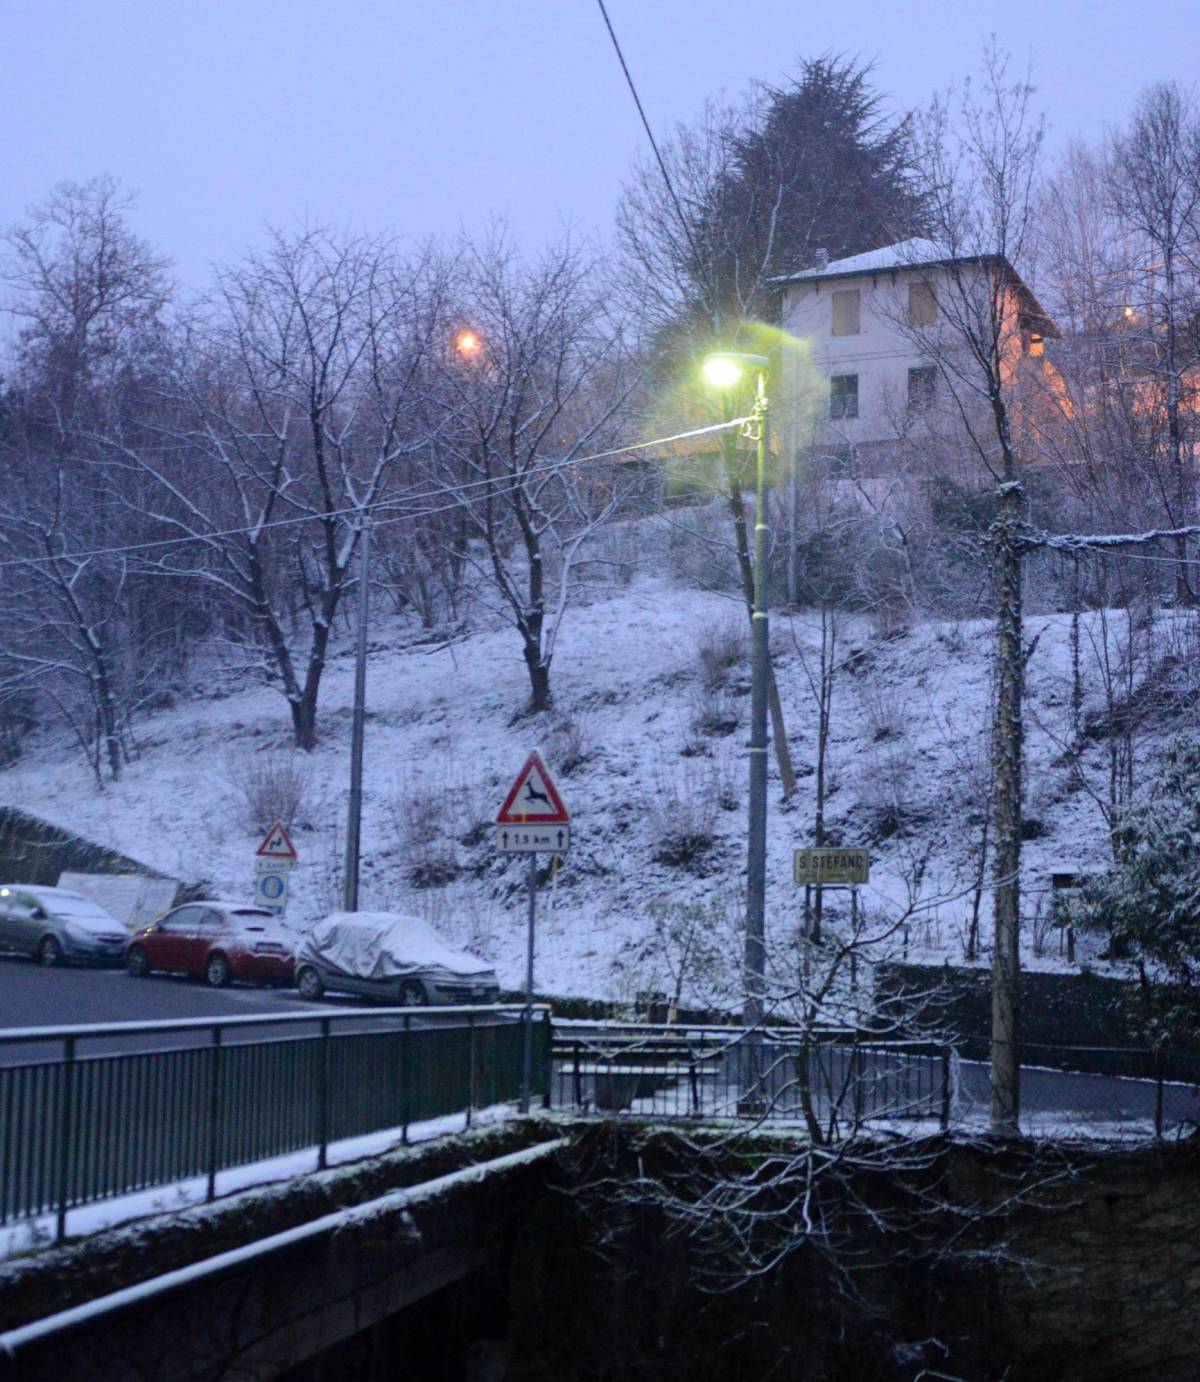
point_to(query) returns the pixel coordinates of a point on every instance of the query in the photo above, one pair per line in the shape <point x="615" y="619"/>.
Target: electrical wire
<point x="413" y="497"/>
<point x="662" y="166"/>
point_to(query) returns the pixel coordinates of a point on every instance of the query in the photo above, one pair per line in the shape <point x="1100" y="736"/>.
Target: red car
<point x="217" y="941"/>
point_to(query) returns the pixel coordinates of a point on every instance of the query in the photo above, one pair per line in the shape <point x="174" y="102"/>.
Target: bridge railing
<point x="715" y="1072"/>
<point x="845" y="1080"/>
<point x="88" y="1113"/>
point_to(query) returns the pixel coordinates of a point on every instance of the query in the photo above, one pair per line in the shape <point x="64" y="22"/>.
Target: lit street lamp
<point x="724" y="372"/>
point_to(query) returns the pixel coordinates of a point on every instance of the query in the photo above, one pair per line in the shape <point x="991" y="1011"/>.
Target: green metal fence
<point x="80" y="1124"/>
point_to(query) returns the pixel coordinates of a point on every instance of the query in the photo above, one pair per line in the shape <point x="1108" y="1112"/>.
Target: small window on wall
<point x="922" y="384"/>
<point x="843" y="395"/>
<point x="922" y="304"/>
<point x="845" y="312"/>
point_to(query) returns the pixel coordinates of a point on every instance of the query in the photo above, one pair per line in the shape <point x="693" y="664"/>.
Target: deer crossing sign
<point x="533" y="818"/>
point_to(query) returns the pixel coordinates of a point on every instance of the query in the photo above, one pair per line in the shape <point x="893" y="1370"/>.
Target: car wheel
<point x="308" y="981"/>
<point x="49" y="951"/>
<point x="217" y="971"/>
<point x="412" y="994"/>
<point x="137" y="963"/>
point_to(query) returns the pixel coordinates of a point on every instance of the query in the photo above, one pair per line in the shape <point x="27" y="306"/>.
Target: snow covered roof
<point x="917" y="253"/>
<point x="904" y="254"/>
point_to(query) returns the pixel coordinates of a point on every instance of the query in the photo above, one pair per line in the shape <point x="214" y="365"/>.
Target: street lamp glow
<point x="727" y="367"/>
<point x="467" y="343"/>
<point x="721" y="371"/>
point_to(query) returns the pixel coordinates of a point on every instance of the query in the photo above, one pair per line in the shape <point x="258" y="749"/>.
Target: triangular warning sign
<point x="277" y="844"/>
<point x="533" y="798"/>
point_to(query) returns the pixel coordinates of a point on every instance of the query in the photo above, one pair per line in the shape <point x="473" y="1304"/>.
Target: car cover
<point x="377" y="945"/>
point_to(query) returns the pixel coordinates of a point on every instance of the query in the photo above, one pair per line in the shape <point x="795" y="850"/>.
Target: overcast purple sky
<point x="427" y="116"/>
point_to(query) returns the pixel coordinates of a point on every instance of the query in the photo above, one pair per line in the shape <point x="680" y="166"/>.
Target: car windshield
<point x="78" y="911"/>
<point x="74" y="907"/>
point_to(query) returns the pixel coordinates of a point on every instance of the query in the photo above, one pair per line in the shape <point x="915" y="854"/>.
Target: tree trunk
<point x="1006" y="760"/>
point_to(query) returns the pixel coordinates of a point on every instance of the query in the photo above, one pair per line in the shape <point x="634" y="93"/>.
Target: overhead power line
<point x="662" y="165"/>
<point x="462" y="493"/>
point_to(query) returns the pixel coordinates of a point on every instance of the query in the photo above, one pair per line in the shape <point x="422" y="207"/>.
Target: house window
<point x="922" y="383"/>
<point x="922" y="304"/>
<point x="843" y="395"/>
<point x="845" y="312"/>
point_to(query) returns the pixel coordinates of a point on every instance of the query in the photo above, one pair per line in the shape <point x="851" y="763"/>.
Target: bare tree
<point x="982" y="165"/>
<point x="293" y="405"/>
<point x="538" y="382"/>
<point x="88" y="293"/>
<point x="1153" y="182"/>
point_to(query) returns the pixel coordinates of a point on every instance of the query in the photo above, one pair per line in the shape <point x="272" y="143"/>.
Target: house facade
<point x="876" y="326"/>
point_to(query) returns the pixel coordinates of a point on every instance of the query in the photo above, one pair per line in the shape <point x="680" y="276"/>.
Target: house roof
<point x="904" y="254"/>
<point x="919" y="253"/>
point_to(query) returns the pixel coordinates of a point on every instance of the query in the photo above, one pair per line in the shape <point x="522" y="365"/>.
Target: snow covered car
<point x="393" y="958"/>
<point x="55" y="924"/>
<point x="217" y="941"/>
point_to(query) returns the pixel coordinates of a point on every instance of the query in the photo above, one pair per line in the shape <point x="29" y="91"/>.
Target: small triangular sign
<point x="277" y="844"/>
<point x="533" y="798"/>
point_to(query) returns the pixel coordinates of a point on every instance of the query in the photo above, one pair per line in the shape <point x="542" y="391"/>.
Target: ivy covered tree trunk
<point x="1006" y="759"/>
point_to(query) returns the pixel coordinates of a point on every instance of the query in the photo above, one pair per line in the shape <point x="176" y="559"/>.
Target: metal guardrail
<point x="844" y="1081"/>
<point x="727" y="1073"/>
<point x="81" y="1125"/>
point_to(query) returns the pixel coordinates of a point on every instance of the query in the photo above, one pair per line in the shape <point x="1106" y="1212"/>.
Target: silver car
<point x="391" y="957"/>
<point x="56" y="925"/>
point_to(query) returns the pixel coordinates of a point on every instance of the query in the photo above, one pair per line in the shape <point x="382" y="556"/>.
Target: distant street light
<point x="468" y="343"/>
<point x="724" y="372"/>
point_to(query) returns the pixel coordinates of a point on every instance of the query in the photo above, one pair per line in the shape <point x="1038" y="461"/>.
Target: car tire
<point x="412" y="994"/>
<point x="137" y="963"/>
<point x="309" y="982"/>
<point x="217" y="971"/>
<point x="49" y="951"/>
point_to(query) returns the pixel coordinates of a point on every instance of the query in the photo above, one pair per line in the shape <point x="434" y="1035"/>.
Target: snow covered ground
<point x="446" y="733"/>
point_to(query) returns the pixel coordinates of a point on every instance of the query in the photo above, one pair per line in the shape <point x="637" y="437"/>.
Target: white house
<point x="872" y="323"/>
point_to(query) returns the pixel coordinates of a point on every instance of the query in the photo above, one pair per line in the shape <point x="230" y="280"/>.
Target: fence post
<point x="406" y="1079"/>
<point x="577" y="1080"/>
<point x="66" y="1132"/>
<point x="214" y="1113"/>
<point x="470" y="1066"/>
<point x="323" y="1082"/>
<point x="856" y="1075"/>
<point x="1160" y="1062"/>
<point x="548" y="1025"/>
<point x="945" y="1088"/>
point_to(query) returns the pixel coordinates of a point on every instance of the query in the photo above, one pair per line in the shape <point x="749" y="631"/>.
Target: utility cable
<point x="501" y="482"/>
<point x="662" y="166"/>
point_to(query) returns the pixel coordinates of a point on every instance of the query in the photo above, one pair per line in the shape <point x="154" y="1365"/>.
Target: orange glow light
<point x="468" y="343"/>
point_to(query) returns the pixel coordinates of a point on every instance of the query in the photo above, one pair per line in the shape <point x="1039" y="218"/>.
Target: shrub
<point x="272" y="785"/>
<point x="568" y="746"/>
<point x="682" y="813"/>
<point x="719" y="648"/>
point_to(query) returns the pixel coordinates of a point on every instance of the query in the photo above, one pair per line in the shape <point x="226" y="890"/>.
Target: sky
<point x="424" y="118"/>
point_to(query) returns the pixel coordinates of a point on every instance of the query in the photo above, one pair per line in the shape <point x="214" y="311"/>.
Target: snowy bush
<point x="1149" y="902"/>
<point x="682" y="812"/>
<point x="271" y="786"/>
<point x="568" y="746"/>
<point x="719" y="648"/>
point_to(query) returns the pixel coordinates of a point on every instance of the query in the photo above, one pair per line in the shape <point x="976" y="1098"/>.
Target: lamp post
<point x="724" y="371"/>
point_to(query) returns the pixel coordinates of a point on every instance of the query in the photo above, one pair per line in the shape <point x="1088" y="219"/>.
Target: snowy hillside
<point x="646" y="751"/>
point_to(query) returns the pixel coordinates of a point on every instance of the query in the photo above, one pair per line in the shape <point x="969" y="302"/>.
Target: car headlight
<point x="78" y="934"/>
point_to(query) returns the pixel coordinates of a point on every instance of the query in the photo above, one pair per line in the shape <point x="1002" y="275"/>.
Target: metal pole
<point x="354" y="816"/>
<point x="756" y="864"/>
<point x="527" y="1057"/>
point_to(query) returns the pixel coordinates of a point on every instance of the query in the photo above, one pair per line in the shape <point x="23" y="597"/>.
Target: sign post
<point x="274" y="859"/>
<point x="532" y="820"/>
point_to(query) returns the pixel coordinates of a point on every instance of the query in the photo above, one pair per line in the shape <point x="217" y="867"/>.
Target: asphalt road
<point x="31" y="996"/>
